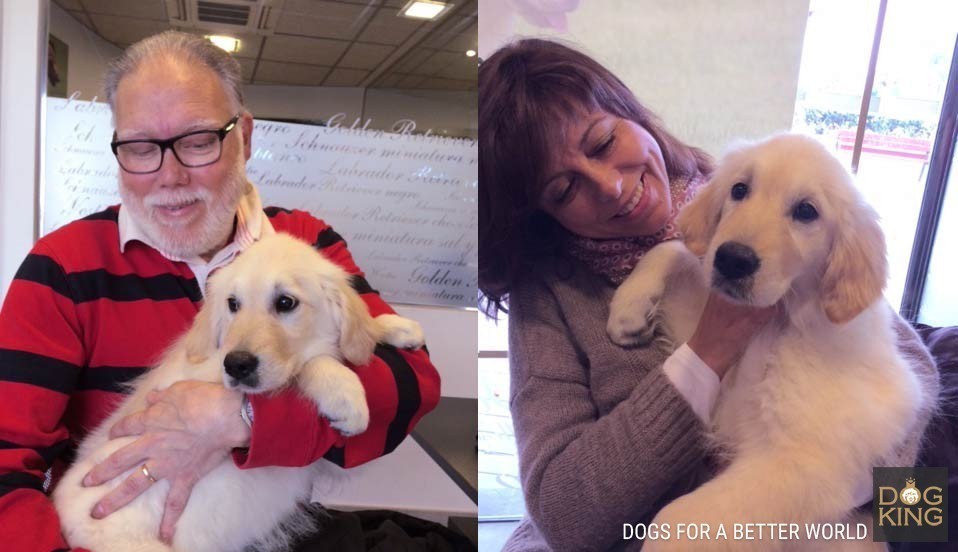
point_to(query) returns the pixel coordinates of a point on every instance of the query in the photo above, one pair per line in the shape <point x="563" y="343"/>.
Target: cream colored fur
<point x="822" y="394"/>
<point x="229" y="508"/>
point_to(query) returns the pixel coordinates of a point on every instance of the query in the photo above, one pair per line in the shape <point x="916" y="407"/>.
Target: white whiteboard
<point x="405" y="203"/>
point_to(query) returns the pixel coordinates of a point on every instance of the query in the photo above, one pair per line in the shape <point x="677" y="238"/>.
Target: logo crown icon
<point x="910" y="482"/>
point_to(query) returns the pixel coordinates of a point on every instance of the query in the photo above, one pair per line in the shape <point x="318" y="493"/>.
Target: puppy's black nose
<point x="240" y="364"/>
<point x="734" y="260"/>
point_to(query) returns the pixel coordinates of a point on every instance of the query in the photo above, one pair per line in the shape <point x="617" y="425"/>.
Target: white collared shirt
<point x="251" y="225"/>
<point x="696" y="382"/>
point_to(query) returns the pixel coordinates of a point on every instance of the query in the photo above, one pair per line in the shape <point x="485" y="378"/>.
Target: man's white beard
<point x="214" y="228"/>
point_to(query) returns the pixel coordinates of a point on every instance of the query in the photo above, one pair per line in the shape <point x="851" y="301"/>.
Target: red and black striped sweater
<point x="81" y="318"/>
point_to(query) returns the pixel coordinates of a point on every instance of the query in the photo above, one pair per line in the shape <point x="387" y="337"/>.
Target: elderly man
<point x="97" y="301"/>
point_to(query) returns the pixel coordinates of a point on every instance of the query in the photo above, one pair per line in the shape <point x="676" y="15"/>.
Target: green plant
<point x="822" y="120"/>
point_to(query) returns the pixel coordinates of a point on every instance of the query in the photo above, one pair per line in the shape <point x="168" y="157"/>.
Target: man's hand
<point x="185" y="432"/>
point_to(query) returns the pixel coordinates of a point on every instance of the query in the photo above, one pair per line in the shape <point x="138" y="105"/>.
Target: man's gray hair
<point x="181" y="46"/>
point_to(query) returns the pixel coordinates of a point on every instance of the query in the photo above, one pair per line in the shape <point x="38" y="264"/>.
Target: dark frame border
<point x="931" y="204"/>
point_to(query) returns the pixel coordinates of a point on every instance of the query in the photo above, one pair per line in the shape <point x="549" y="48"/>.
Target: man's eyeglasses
<point x="193" y="149"/>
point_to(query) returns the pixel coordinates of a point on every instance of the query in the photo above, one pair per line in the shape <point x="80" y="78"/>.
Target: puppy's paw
<point x="400" y="332"/>
<point x="346" y="408"/>
<point x="338" y="394"/>
<point x="631" y="320"/>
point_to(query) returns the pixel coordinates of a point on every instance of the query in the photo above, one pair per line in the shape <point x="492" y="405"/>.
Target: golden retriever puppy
<point x="280" y="314"/>
<point x="822" y="394"/>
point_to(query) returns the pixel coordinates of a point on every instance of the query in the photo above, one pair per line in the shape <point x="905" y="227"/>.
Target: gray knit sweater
<point x="604" y="438"/>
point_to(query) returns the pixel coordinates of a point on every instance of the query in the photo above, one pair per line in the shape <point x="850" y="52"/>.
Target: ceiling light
<point x="227" y="43"/>
<point x="424" y="9"/>
<point x="470" y="53"/>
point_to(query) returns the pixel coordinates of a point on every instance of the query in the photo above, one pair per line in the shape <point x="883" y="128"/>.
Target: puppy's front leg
<point x="782" y="487"/>
<point x="399" y="332"/>
<point x="338" y="394"/>
<point x="634" y="305"/>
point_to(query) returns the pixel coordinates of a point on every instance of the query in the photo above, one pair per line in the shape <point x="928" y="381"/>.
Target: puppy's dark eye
<point x="804" y="212"/>
<point x="232" y="303"/>
<point x="739" y="191"/>
<point x="285" y="303"/>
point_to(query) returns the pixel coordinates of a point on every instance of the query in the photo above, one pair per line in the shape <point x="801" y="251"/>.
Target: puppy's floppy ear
<point x="203" y="338"/>
<point x="357" y="337"/>
<point x="857" y="268"/>
<point x="698" y="220"/>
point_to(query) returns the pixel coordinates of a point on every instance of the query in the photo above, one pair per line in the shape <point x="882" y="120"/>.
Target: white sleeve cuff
<point x="696" y="382"/>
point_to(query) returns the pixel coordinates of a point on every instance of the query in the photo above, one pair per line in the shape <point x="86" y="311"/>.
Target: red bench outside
<point x="886" y="144"/>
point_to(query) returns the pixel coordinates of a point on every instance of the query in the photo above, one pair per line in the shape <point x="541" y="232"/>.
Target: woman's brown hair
<point x="529" y="93"/>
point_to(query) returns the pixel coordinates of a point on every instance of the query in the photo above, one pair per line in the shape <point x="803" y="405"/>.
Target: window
<point x="905" y="100"/>
<point x="500" y="495"/>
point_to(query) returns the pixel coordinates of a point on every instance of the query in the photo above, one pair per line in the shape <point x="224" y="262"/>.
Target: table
<point x="433" y="475"/>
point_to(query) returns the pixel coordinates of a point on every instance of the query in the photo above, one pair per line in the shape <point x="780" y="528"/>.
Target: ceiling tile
<point x="465" y="40"/>
<point x="462" y="85"/>
<point x="464" y="68"/>
<point x="82" y="18"/>
<point x="126" y="30"/>
<point x="365" y="56"/>
<point x="409" y="81"/>
<point x="438" y="62"/>
<point x="435" y="84"/>
<point x="320" y="35"/>
<point x="388" y="28"/>
<point x="449" y="31"/>
<point x="141" y="9"/>
<point x="323" y="19"/>
<point x="290" y="73"/>
<point x="249" y="46"/>
<point x="247" y="66"/>
<point x="390" y="80"/>
<point x="303" y="50"/>
<point x="69" y="4"/>
<point x="345" y="77"/>
<point x="446" y="84"/>
<point x="412" y="60"/>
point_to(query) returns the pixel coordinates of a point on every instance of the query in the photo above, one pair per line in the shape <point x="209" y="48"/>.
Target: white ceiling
<point x="319" y="42"/>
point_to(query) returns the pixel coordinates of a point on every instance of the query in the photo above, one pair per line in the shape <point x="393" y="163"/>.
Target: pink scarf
<point x="616" y="257"/>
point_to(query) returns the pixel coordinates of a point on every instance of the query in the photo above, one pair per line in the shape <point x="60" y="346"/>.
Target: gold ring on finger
<point x="147" y="473"/>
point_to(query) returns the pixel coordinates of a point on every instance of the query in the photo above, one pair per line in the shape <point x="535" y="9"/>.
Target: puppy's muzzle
<point x="241" y="365"/>
<point x="735" y="261"/>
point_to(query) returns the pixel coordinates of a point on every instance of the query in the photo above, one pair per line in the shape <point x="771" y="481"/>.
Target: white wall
<point x="23" y="50"/>
<point x="452" y="337"/>
<point x="20" y="53"/>
<point x="713" y="71"/>
<point x="302" y="102"/>
<point x="444" y="111"/>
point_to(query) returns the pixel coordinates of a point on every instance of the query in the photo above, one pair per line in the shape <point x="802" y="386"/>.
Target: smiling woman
<point x="582" y="145"/>
<point x="579" y="180"/>
<point x="612" y="184"/>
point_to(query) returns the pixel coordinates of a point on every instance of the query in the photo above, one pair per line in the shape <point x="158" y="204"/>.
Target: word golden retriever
<point x="279" y="314"/>
<point x="823" y="393"/>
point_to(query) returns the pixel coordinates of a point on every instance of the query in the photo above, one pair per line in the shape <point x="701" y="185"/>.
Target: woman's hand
<point x="185" y="432"/>
<point x="725" y="330"/>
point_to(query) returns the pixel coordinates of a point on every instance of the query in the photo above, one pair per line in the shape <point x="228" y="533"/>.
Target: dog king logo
<point x="910" y="504"/>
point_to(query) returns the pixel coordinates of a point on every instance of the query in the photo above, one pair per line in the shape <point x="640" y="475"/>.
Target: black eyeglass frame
<point x="168" y="145"/>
